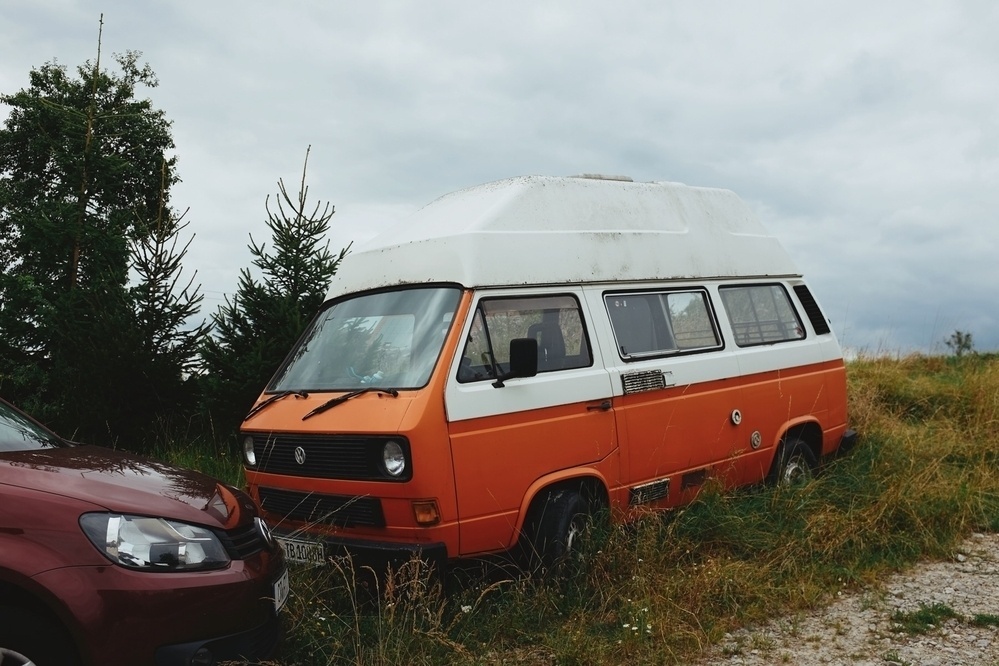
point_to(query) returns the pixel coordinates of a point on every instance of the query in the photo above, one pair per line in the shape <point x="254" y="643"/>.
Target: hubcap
<point x="796" y="471"/>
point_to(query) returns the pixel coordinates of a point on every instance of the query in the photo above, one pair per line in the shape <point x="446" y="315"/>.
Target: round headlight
<point x="394" y="458"/>
<point x="248" y="453"/>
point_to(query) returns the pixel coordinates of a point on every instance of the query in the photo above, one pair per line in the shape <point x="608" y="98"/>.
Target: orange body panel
<point x="676" y="430"/>
<point x="497" y="458"/>
<point x="776" y="401"/>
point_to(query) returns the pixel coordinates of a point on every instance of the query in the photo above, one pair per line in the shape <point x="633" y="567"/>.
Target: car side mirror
<point x="523" y="360"/>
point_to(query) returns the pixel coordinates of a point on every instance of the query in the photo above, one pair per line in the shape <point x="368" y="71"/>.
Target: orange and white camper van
<point x="519" y="355"/>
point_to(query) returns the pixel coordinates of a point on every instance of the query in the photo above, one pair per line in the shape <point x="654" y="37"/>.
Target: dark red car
<point x="111" y="559"/>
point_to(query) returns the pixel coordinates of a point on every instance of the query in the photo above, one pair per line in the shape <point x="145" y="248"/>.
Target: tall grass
<point x="658" y="591"/>
<point x="194" y="449"/>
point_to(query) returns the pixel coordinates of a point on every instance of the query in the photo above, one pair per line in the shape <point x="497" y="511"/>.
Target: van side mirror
<point x="523" y="360"/>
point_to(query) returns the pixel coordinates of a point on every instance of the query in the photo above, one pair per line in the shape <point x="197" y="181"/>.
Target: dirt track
<point x="859" y="630"/>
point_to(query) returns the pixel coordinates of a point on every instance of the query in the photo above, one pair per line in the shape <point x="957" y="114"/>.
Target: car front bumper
<point x="121" y="617"/>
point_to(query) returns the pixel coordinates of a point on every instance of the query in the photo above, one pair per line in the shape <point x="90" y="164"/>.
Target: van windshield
<point x="388" y="339"/>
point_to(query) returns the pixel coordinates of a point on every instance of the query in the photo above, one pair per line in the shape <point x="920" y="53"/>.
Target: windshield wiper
<point x="274" y="398"/>
<point x="340" y="399"/>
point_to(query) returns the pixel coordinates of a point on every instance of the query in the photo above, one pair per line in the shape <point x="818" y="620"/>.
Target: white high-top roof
<point x="536" y="230"/>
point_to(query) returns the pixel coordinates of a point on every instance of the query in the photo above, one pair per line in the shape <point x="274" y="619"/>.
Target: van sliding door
<point x="677" y="391"/>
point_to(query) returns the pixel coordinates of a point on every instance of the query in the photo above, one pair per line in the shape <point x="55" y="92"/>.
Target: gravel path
<point x="860" y="629"/>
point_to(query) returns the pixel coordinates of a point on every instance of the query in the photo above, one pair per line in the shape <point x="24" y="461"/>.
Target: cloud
<point x="863" y="134"/>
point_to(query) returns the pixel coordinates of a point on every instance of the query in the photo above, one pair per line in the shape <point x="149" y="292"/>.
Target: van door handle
<point x="603" y="406"/>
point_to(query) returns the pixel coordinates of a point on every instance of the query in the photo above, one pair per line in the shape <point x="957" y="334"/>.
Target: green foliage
<point x="923" y="620"/>
<point x="187" y="445"/>
<point x="985" y="620"/>
<point x="84" y="200"/>
<point x="255" y="329"/>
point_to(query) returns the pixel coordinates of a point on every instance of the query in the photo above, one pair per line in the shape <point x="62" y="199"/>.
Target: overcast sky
<point x="864" y="134"/>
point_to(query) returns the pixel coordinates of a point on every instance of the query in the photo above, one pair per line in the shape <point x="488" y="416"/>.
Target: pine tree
<point x="167" y="344"/>
<point x="84" y="187"/>
<point x="255" y="329"/>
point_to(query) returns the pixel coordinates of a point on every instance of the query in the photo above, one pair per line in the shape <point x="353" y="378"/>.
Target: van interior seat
<point x="551" y="342"/>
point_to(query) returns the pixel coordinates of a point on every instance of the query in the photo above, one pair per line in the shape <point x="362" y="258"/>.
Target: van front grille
<point x="339" y="510"/>
<point x="326" y="456"/>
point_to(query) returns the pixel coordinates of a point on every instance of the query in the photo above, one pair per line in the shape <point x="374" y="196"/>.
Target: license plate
<point x="303" y="552"/>
<point x="281" y="588"/>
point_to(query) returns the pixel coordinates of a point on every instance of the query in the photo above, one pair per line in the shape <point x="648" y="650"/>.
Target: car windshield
<point x="388" y="339"/>
<point x="19" y="433"/>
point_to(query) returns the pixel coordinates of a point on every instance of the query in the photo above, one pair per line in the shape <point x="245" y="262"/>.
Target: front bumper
<point x="120" y="617"/>
<point x="252" y="645"/>
<point x="380" y="556"/>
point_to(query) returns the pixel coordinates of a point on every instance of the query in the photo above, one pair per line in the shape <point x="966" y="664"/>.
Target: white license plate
<point x="303" y="552"/>
<point x="281" y="588"/>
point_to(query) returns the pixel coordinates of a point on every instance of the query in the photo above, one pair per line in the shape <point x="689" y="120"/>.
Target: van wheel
<point x="795" y="465"/>
<point x="559" y="529"/>
<point x="28" y="639"/>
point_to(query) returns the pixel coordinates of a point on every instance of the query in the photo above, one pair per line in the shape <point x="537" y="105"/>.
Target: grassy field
<point x="925" y="474"/>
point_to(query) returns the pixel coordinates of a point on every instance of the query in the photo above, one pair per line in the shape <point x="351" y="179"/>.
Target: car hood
<point x="126" y="483"/>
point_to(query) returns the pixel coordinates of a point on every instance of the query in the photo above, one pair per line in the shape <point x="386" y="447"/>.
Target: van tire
<point x="26" y="637"/>
<point x="559" y="528"/>
<point x="795" y="464"/>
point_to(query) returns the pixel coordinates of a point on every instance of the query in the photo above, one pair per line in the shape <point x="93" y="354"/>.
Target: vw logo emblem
<point x="299" y="455"/>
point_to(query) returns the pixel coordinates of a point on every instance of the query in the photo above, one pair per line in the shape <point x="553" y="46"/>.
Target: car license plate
<point x="281" y="588"/>
<point x="303" y="552"/>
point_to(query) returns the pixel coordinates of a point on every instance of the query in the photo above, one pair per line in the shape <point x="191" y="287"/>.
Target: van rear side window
<point x="761" y="314"/>
<point x="653" y="324"/>
<point x="554" y="321"/>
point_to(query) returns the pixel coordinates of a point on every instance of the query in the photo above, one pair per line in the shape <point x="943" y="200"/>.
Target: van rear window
<point x="761" y="314"/>
<point x="652" y="324"/>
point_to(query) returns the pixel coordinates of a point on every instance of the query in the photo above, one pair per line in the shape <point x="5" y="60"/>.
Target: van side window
<point x="761" y="314"/>
<point x="554" y="321"/>
<point x="653" y="324"/>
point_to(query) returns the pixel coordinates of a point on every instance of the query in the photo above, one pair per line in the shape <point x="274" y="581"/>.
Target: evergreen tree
<point x="84" y="199"/>
<point x="256" y="328"/>
<point x="166" y="345"/>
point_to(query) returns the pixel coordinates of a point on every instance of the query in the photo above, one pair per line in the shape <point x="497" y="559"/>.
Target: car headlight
<point x="394" y="458"/>
<point x="248" y="453"/>
<point x="154" y="544"/>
